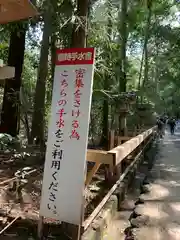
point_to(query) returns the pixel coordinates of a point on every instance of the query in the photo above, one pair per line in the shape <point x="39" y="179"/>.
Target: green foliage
<point x="161" y="89"/>
<point x="7" y="142"/>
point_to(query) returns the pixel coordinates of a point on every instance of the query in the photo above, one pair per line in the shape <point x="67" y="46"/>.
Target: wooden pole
<point x="75" y="232"/>
<point x="111" y="139"/>
<point x="4" y="229"/>
<point x="40" y="227"/>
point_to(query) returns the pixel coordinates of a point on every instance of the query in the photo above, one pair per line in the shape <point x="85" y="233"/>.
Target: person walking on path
<point x="164" y="120"/>
<point x="160" y="126"/>
<point x="172" y="124"/>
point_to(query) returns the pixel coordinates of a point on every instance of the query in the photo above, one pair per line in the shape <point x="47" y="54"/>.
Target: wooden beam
<point x="124" y="138"/>
<point x="103" y="157"/>
<point x="7" y="1"/>
<point x="91" y="173"/>
<point x="14" y="10"/>
<point x="126" y="148"/>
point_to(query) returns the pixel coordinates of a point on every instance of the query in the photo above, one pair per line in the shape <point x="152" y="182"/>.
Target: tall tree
<point x="106" y="82"/>
<point x="10" y="115"/>
<point x="145" y="49"/>
<point x="80" y="24"/>
<point x="123" y="58"/>
<point x="123" y="44"/>
<point x="38" y="122"/>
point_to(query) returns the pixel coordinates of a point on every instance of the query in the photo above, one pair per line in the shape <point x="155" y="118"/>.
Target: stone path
<point x="118" y="230"/>
<point x="158" y="215"/>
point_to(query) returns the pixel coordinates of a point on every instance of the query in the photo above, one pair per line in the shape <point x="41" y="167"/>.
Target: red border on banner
<point x="75" y="56"/>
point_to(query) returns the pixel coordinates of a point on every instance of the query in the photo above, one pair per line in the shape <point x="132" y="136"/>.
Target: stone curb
<point x="100" y="224"/>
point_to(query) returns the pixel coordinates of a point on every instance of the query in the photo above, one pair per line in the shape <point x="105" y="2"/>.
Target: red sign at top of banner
<point x="75" y="56"/>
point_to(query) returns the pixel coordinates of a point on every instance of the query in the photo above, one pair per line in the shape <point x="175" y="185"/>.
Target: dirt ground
<point x="161" y="207"/>
<point x="27" y="206"/>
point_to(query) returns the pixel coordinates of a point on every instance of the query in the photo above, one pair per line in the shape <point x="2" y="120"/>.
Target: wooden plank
<point x="7" y="72"/>
<point x="126" y="148"/>
<point x="119" y="139"/>
<point x="92" y="173"/>
<point x="11" y="10"/>
<point x="7" y="1"/>
<point x="124" y="138"/>
<point x="9" y="225"/>
<point x="100" y="156"/>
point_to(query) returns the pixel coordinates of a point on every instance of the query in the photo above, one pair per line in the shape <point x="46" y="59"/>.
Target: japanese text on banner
<point x="78" y="85"/>
<point x="57" y="152"/>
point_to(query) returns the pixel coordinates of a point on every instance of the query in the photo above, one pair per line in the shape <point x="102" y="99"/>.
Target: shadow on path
<point x="158" y="217"/>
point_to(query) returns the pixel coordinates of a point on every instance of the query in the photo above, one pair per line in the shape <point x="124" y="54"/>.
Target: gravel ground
<point x="158" y="215"/>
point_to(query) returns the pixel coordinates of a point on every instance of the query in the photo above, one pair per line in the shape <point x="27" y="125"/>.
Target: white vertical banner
<point x="63" y="181"/>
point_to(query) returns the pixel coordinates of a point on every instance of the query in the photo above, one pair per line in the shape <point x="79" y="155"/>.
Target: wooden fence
<point x="117" y="157"/>
<point x="118" y="162"/>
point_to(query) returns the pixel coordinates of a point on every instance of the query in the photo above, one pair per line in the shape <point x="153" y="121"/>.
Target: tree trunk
<point x="140" y="71"/>
<point x="105" y="123"/>
<point x="123" y="43"/>
<point x="10" y="116"/>
<point x="80" y="25"/>
<point x="38" y="123"/>
<point x="53" y="59"/>
<point x="147" y="30"/>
